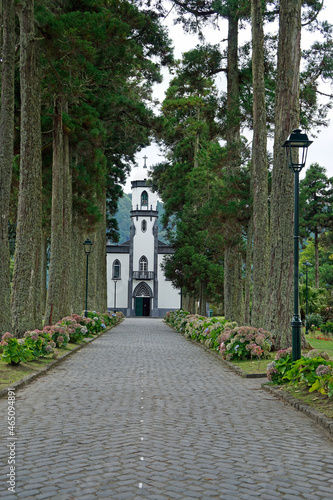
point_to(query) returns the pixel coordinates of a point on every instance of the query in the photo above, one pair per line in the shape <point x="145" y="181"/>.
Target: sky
<point x="320" y="151"/>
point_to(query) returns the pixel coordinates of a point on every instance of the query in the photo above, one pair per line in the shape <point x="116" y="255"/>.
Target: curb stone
<point x="320" y="419"/>
<point x="30" y="378"/>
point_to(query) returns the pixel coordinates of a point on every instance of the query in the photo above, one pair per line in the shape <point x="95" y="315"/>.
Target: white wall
<point x="168" y="296"/>
<point x="122" y="284"/>
<point x="143" y="243"/>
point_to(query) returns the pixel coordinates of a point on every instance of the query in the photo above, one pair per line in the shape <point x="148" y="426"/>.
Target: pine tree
<point x="26" y="300"/>
<point x="6" y="155"/>
<point x="280" y="282"/>
<point x="316" y="199"/>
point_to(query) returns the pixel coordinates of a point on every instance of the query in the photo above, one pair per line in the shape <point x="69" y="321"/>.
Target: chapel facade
<point x="136" y="283"/>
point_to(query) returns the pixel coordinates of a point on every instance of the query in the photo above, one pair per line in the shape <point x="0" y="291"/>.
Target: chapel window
<point x="144" y="199"/>
<point x="143" y="264"/>
<point x="144" y="226"/>
<point x="116" y="270"/>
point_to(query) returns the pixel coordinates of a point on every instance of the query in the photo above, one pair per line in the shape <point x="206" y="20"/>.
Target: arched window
<point x="116" y="270"/>
<point x="144" y="226"/>
<point x="144" y="199"/>
<point x="143" y="264"/>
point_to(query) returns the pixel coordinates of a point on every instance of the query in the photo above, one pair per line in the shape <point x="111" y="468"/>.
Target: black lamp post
<point x="87" y="249"/>
<point x="297" y="143"/>
<point x="306" y="264"/>
<point x="115" y="293"/>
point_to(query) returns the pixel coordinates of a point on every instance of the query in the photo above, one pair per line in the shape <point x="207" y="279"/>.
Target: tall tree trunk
<point x="44" y="272"/>
<point x="6" y="155"/>
<point x="67" y="223"/>
<point x="58" y="295"/>
<point x="100" y="273"/>
<point x="54" y="306"/>
<point x="27" y="277"/>
<point x="260" y="171"/>
<point x="248" y="274"/>
<point x="280" y="285"/>
<point x="78" y="263"/>
<point x="233" y="285"/>
<point x="316" y="241"/>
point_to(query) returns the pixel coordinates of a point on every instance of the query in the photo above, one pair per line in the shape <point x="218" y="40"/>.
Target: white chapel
<point x="135" y="280"/>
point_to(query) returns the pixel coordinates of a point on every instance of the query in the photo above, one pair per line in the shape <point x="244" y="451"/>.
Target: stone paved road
<point x="142" y="413"/>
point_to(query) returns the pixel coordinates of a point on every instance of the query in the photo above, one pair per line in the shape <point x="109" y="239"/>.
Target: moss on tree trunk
<point x="6" y="156"/>
<point x="26" y="302"/>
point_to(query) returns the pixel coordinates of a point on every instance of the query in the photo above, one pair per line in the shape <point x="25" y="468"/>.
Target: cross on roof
<point x="145" y="163"/>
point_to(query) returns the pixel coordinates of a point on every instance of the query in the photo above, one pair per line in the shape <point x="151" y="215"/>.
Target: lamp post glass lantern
<point x="306" y="264"/>
<point x="296" y="149"/>
<point x="87" y="249"/>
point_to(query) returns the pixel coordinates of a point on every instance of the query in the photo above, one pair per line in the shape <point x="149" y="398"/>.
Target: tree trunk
<point x="279" y="310"/>
<point x="248" y="275"/>
<point x="78" y="263"/>
<point x="67" y="224"/>
<point x="316" y="241"/>
<point x="59" y="290"/>
<point x="189" y="304"/>
<point x="260" y="171"/>
<point x="27" y="277"/>
<point x="54" y="305"/>
<point x="233" y="285"/>
<point x="44" y="272"/>
<point x="6" y="156"/>
<point x="100" y="273"/>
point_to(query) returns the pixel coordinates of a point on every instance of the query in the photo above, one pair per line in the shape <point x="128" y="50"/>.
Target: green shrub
<point x="14" y="350"/>
<point x="314" y="320"/>
<point x="245" y="342"/>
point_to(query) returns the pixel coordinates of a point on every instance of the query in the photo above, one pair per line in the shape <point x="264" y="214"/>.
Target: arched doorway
<point x="142" y="299"/>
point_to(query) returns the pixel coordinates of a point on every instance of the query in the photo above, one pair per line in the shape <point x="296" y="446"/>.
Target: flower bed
<point x="231" y="341"/>
<point x="314" y="370"/>
<point x="39" y="343"/>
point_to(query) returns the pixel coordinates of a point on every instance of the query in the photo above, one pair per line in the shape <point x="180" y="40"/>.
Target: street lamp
<point x="115" y="293"/>
<point x="297" y="143"/>
<point x="307" y="264"/>
<point x="87" y="249"/>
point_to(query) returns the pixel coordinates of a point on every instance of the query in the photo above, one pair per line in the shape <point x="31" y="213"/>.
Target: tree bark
<point x="316" y="242"/>
<point x="259" y="170"/>
<point x="248" y="274"/>
<point x="100" y="274"/>
<point x="27" y="277"/>
<point x="78" y="263"/>
<point x="279" y="310"/>
<point x="58" y="294"/>
<point x="233" y="285"/>
<point x="6" y="155"/>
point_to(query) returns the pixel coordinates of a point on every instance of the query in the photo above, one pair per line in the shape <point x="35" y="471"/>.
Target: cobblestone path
<point x="142" y="413"/>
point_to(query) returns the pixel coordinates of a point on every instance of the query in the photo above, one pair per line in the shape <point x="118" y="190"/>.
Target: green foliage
<point x="13" y="350"/>
<point x="199" y="328"/>
<point x="316" y="197"/>
<point x="312" y="371"/>
<point x="277" y="369"/>
<point x="317" y="299"/>
<point x="39" y="343"/>
<point x="198" y="192"/>
<point x="327" y="328"/>
<point x="314" y="320"/>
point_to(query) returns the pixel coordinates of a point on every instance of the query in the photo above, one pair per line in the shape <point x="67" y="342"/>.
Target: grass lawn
<point x="254" y="366"/>
<point x="10" y="374"/>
